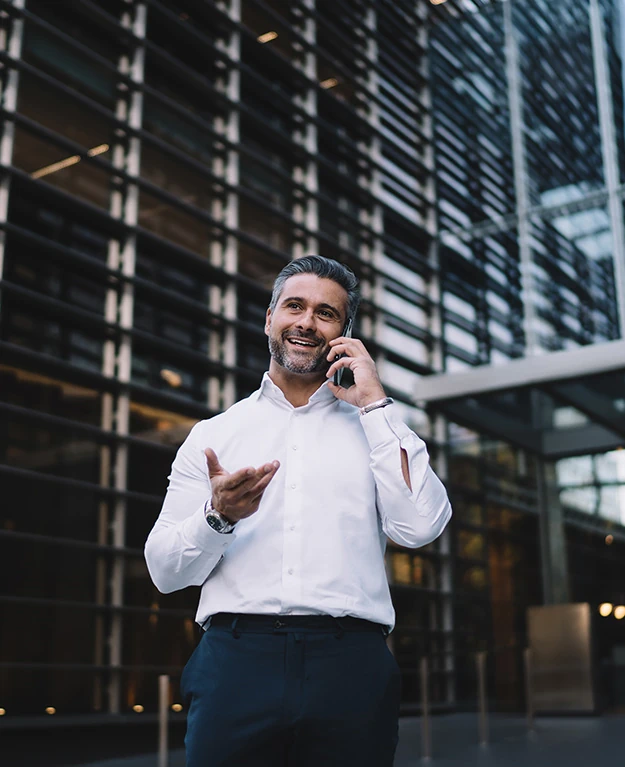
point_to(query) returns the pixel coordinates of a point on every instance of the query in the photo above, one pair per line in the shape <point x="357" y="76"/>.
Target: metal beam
<point x="597" y="407"/>
<point x="473" y="415"/>
<point x="580" y="440"/>
<point x="540" y="370"/>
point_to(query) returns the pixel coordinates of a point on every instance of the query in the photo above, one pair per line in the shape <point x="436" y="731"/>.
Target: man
<point x="279" y="509"/>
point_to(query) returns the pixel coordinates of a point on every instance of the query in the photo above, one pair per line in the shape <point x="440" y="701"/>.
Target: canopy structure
<point x="556" y="405"/>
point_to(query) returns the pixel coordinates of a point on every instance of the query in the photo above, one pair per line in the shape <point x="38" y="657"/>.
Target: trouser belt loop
<point x="236" y="634"/>
<point x="341" y="630"/>
<point x="207" y="623"/>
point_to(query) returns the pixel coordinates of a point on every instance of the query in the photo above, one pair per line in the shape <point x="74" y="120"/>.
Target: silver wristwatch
<point x="216" y="520"/>
<point x="375" y="405"/>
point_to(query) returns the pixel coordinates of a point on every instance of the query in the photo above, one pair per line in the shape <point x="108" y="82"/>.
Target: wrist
<point x="370" y="397"/>
<point x="375" y="405"/>
<point x="217" y="519"/>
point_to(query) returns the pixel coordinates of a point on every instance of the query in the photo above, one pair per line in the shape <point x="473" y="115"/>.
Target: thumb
<point x="338" y="391"/>
<point x="214" y="467"/>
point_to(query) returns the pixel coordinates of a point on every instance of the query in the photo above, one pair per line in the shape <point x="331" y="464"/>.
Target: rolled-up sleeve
<point x="409" y="517"/>
<point x="182" y="549"/>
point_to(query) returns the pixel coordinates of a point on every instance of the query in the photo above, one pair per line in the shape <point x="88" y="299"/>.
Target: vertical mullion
<point x="373" y="287"/>
<point x="610" y="157"/>
<point x="11" y="42"/>
<point x="225" y="252"/>
<point x="124" y="205"/>
<point x="305" y="210"/>
<point x="517" y="129"/>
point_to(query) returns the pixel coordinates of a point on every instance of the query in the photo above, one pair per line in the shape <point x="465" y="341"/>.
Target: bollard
<point x="426" y="734"/>
<point x="163" y="712"/>
<point x="480" y="662"/>
<point x="527" y="665"/>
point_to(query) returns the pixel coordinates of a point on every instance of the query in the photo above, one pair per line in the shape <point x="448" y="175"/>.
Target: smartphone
<point x="347" y="332"/>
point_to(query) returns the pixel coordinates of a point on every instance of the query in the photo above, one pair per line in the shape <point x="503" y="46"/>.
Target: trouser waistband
<point x="269" y="623"/>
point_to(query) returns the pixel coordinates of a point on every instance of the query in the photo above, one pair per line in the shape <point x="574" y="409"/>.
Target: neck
<point x="296" y="387"/>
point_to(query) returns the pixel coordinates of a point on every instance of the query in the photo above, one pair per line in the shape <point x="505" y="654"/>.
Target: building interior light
<point x="171" y="377"/>
<point x="267" y="37"/>
<point x="138" y="708"/>
<point x="3" y="711"/>
<point x="605" y="609"/>
<point x="50" y="710"/>
<point x="609" y="540"/>
<point x="619" y="612"/>
<point x="176" y="707"/>
<point x="438" y="2"/>
<point x="329" y="82"/>
<point x="68" y="161"/>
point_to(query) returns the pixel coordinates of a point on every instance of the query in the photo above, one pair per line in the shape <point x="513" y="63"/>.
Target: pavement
<point x="569" y="741"/>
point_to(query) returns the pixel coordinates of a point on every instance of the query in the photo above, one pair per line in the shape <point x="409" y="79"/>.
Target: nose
<point x="306" y="320"/>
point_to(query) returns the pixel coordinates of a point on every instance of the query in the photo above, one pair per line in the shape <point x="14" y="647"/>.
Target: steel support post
<point x="524" y="227"/>
<point x="609" y="151"/>
<point x="11" y="42"/>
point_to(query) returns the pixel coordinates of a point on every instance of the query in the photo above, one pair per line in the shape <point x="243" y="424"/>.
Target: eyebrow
<point x="319" y="306"/>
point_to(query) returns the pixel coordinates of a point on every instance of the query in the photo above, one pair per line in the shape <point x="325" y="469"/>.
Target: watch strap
<point x="216" y="520"/>
<point x="375" y="405"/>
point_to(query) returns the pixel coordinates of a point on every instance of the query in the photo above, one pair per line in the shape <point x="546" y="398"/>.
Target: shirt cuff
<point x="381" y="427"/>
<point x="202" y="534"/>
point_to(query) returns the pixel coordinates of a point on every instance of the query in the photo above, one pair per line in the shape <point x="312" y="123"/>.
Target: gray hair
<point x="324" y="267"/>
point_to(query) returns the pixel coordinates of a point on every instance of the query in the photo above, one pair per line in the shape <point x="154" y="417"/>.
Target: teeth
<point x="300" y="343"/>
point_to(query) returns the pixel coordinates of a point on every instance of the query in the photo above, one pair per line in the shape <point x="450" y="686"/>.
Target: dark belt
<point x="267" y="623"/>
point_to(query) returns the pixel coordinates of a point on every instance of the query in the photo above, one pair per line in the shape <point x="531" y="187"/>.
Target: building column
<point x="555" y="577"/>
<point x="371" y="247"/>
<point x="524" y="227"/>
<point x="305" y="207"/>
<point x="610" y="155"/>
<point x="10" y="41"/>
<point x="225" y="209"/>
<point x="117" y="358"/>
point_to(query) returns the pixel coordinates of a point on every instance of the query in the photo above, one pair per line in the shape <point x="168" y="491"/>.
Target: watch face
<point x="217" y="522"/>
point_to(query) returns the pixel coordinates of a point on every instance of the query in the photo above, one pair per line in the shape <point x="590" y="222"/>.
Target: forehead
<point x="315" y="290"/>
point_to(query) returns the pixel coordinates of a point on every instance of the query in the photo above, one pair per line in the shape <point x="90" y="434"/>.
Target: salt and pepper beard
<point x="311" y="364"/>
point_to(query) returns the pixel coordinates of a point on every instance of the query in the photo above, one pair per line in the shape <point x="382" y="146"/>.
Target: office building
<point x="161" y="161"/>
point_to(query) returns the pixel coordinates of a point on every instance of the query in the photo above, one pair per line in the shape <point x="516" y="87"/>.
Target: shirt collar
<point x="268" y="389"/>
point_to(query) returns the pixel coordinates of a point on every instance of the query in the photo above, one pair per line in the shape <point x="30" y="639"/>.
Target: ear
<point x="267" y="322"/>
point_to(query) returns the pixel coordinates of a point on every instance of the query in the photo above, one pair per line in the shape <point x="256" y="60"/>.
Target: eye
<point x="293" y="305"/>
<point x="328" y="315"/>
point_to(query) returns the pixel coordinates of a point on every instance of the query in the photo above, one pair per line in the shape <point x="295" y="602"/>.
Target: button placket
<point x="291" y="585"/>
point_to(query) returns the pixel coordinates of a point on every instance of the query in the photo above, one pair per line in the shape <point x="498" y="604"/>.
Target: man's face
<point x="310" y="312"/>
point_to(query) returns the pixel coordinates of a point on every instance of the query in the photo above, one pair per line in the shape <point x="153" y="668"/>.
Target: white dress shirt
<point x="316" y="544"/>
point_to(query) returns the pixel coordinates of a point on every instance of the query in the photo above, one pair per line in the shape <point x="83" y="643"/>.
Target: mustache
<point x="303" y="336"/>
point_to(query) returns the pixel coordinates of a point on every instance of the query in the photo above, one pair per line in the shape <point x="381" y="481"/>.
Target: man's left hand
<point x="367" y="387"/>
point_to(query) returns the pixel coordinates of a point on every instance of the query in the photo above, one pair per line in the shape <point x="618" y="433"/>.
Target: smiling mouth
<point x="300" y="343"/>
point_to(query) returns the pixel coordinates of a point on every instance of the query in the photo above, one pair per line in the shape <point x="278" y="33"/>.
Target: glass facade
<point x="528" y="162"/>
<point x="528" y="138"/>
<point x="160" y="162"/>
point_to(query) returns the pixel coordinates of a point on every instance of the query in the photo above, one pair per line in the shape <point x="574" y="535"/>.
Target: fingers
<point x="344" y="362"/>
<point x="239" y="479"/>
<point x="342" y="345"/>
<point x="250" y="478"/>
<point x="238" y="495"/>
<point x="214" y="467"/>
<point x="259" y="488"/>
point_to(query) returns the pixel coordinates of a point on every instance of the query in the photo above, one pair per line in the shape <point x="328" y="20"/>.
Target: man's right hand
<point x="238" y="495"/>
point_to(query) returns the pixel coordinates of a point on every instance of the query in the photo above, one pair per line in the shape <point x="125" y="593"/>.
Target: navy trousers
<point x="280" y="696"/>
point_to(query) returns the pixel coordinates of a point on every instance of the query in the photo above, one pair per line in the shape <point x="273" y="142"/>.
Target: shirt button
<point x="292" y="528"/>
<point x="294" y="447"/>
<point x="293" y="486"/>
<point x="290" y="571"/>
